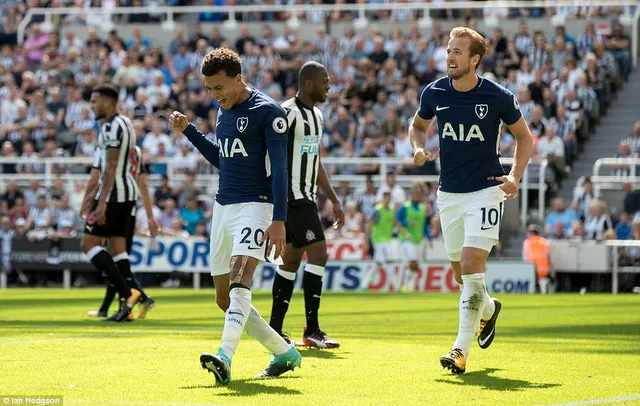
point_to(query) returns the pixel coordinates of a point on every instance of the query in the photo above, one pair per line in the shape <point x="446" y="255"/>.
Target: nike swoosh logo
<point x="484" y="229"/>
<point x="438" y="108"/>
<point x="437" y="88"/>
<point x="482" y="342"/>
<point x="239" y="314"/>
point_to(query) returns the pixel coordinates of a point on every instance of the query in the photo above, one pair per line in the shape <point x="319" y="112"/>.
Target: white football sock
<point x="235" y="319"/>
<point x="544" y="285"/>
<point x="410" y="281"/>
<point x="286" y="274"/>
<point x="368" y="274"/>
<point x="259" y="329"/>
<point x="471" y="306"/>
<point x="489" y="305"/>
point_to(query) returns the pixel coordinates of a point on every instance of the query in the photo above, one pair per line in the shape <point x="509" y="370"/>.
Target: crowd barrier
<point x="534" y="177"/>
<point x="345" y="271"/>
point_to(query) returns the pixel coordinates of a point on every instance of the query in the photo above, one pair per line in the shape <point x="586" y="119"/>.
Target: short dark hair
<point x="221" y="60"/>
<point x="108" y="90"/>
<point x="309" y="71"/>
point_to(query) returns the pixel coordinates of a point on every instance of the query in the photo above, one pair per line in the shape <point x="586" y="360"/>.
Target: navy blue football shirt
<point x="251" y="136"/>
<point x="469" y="125"/>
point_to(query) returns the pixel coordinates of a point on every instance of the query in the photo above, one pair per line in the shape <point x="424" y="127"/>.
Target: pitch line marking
<point x="616" y="399"/>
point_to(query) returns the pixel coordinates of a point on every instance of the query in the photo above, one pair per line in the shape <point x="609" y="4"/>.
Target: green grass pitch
<point x="548" y="350"/>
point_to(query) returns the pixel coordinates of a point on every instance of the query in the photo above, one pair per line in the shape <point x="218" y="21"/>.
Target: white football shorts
<point x="470" y="219"/>
<point x="411" y="251"/>
<point x="382" y="252"/>
<point x="236" y="230"/>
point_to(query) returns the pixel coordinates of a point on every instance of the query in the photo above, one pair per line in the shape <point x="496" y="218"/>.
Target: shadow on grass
<point x="485" y="380"/>
<point x="321" y="354"/>
<point x="249" y="387"/>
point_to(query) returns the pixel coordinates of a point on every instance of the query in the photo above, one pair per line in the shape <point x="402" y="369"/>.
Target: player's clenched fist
<point x="420" y="156"/>
<point x="178" y="121"/>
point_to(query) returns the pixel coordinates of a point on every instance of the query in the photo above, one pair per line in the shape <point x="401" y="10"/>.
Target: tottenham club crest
<point x="482" y="110"/>
<point x="242" y="123"/>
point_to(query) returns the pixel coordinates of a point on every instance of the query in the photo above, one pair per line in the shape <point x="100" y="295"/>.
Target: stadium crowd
<point x="563" y="83"/>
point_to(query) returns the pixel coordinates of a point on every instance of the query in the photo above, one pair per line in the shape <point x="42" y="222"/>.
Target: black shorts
<point x="303" y="224"/>
<point x="118" y="219"/>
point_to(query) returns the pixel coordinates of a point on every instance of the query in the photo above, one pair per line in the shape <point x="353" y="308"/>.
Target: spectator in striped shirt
<point x="588" y="38"/>
<point x="523" y="39"/>
<point x="634" y="139"/>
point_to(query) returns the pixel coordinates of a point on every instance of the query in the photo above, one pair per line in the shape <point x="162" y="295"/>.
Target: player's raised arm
<point x="524" y="145"/>
<point x="418" y="130"/>
<point x="208" y="149"/>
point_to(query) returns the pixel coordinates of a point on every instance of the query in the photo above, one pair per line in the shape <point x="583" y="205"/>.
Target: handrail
<point x="615" y="245"/>
<point x="542" y="173"/>
<point x="169" y="11"/>
<point x="614" y="179"/>
<point x="384" y="163"/>
<point x="600" y="180"/>
<point x="616" y="161"/>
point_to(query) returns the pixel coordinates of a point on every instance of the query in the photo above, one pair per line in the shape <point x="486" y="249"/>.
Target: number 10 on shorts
<point x="490" y="217"/>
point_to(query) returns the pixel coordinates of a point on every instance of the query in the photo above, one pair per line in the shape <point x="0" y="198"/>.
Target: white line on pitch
<point x="600" y="401"/>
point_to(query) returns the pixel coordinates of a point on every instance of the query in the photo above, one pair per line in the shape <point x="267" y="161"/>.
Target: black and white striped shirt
<point x="40" y="217"/>
<point x="305" y="135"/>
<point x="65" y="217"/>
<point x="594" y="227"/>
<point x="118" y="132"/>
<point x="523" y="42"/>
<point x="6" y="241"/>
<point x="537" y="57"/>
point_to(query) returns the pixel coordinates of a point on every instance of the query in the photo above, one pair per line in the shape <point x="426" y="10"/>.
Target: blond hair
<point x="478" y="45"/>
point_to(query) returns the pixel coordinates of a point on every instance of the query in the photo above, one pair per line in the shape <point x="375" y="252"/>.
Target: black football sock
<point x="123" y="264"/>
<point x="109" y="295"/>
<point x="281" y="292"/>
<point x="312" y="285"/>
<point x="103" y="261"/>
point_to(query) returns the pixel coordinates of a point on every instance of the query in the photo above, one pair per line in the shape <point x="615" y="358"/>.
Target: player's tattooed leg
<point x="237" y="278"/>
